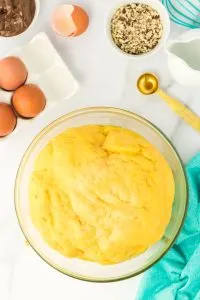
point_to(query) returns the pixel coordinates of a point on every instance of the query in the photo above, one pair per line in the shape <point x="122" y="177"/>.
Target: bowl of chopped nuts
<point x="138" y="28"/>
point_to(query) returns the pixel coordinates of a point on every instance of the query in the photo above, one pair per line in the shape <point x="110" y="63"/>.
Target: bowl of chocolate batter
<point x="17" y="16"/>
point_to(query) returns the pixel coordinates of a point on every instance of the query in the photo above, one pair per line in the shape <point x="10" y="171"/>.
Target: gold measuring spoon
<point x="148" y="84"/>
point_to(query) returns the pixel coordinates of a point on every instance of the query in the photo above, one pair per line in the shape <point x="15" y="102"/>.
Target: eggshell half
<point x="70" y="20"/>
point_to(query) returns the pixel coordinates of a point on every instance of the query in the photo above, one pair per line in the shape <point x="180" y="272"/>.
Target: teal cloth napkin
<point x="177" y="275"/>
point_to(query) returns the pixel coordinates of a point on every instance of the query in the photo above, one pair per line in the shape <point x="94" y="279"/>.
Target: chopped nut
<point x="136" y="28"/>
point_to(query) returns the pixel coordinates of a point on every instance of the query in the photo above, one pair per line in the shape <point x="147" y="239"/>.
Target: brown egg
<point x="13" y="73"/>
<point x="29" y="101"/>
<point x="70" y="20"/>
<point x="8" y="119"/>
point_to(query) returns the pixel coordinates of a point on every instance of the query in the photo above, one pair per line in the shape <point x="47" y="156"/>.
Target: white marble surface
<point x="105" y="79"/>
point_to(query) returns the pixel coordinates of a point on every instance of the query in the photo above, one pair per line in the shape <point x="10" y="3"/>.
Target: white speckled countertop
<point x="105" y="79"/>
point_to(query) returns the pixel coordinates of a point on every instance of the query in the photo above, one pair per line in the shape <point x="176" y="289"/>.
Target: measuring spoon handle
<point x="190" y="117"/>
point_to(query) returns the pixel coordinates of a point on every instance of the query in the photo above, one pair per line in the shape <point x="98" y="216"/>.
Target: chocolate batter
<point x="15" y="16"/>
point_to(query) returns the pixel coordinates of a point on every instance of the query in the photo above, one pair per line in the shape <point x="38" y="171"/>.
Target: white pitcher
<point x="184" y="58"/>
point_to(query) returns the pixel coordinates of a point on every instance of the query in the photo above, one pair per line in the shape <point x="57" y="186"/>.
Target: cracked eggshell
<point x="70" y="20"/>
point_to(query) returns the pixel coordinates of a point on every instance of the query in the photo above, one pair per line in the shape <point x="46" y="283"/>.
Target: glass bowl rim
<point x="71" y="115"/>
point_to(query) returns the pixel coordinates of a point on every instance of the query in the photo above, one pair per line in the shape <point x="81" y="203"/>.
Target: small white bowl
<point x="37" y="10"/>
<point x="157" y="5"/>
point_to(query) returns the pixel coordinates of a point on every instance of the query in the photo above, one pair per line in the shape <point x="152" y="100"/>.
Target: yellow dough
<point x="101" y="193"/>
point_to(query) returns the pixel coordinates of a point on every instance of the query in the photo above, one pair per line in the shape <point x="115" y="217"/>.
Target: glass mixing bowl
<point x="79" y="268"/>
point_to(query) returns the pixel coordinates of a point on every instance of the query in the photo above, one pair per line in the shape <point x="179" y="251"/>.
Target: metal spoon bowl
<point x="147" y="84"/>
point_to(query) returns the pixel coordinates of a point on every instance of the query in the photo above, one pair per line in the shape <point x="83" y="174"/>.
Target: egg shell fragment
<point x="70" y="20"/>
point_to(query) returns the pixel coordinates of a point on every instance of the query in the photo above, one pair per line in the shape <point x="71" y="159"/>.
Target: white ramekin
<point x="37" y="10"/>
<point x="157" y="5"/>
